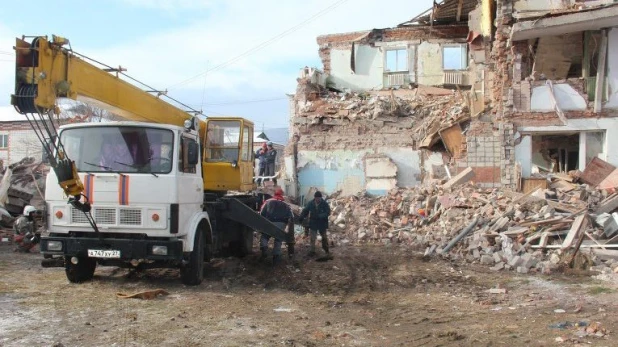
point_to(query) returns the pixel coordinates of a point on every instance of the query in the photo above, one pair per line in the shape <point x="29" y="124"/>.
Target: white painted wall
<point x="370" y="65"/>
<point x="523" y="155"/>
<point x="345" y="169"/>
<point x="612" y="65"/>
<point x="369" y="68"/>
<point x="523" y="150"/>
<point x="24" y="143"/>
<point x="429" y="65"/>
<point x="566" y="97"/>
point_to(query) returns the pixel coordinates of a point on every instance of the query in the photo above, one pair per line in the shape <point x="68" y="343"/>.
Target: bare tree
<point x="82" y="113"/>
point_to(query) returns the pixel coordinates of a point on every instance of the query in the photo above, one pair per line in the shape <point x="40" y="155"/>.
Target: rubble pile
<point x="540" y="231"/>
<point x="23" y="183"/>
<point x="422" y="111"/>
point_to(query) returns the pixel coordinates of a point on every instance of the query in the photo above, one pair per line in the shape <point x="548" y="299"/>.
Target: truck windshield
<point x="127" y="149"/>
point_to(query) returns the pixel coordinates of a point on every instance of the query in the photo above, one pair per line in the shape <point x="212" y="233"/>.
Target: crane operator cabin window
<point x="223" y="141"/>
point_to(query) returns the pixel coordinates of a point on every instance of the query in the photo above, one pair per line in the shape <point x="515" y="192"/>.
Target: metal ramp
<point x="239" y="212"/>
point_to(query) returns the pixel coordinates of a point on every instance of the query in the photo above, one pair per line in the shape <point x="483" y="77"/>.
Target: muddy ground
<point x="365" y="296"/>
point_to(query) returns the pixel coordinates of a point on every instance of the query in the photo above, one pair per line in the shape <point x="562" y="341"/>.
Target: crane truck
<point x="162" y="189"/>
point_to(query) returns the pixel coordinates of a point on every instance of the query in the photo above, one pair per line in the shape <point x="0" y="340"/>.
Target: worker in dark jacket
<point x="280" y="214"/>
<point x="260" y="155"/>
<point x="318" y="212"/>
<point x="271" y="159"/>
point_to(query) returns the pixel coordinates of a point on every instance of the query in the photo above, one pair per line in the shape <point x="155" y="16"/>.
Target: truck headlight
<point x="159" y="250"/>
<point x="54" y="245"/>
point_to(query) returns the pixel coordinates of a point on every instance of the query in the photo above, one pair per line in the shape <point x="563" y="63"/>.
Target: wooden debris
<point x="461" y="178"/>
<point x="578" y="227"/>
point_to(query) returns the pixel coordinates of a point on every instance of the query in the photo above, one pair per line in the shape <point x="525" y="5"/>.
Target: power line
<point x="264" y="44"/>
<point x="139" y="82"/>
<point x="240" y="102"/>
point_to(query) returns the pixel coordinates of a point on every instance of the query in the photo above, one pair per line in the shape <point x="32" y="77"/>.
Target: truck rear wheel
<point x="244" y="246"/>
<point x="82" y="271"/>
<point x="192" y="273"/>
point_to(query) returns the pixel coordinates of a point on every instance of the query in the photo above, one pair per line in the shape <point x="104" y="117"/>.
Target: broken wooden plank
<point x="562" y="207"/>
<point x="542" y="222"/>
<point x="596" y="171"/>
<point x="578" y="226"/>
<point x="452" y="138"/>
<point x="463" y="177"/>
<point x="610" y="182"/>
<point x="562" y="186"/>
<point x="514" y="231"/>
<point x="529" y="185"/>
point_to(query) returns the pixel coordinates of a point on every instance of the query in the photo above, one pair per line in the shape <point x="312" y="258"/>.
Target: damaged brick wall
<point x="335" y="133"/>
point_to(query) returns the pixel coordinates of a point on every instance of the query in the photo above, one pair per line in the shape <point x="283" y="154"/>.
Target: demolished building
<point x="378" y="115"/>
<point x="523" y="134"/>
<point x="506" y="88"/>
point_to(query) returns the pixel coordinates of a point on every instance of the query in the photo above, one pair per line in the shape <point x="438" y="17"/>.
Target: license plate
<point x="98" y="253"/>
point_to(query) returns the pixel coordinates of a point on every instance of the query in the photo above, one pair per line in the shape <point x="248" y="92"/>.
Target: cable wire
<point x="263" y="44"/>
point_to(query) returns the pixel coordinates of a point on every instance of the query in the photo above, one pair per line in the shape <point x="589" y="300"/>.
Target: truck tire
<point x="244" y="246"/>
<point x="192" y="273"/>
<point x="82" y="271"/>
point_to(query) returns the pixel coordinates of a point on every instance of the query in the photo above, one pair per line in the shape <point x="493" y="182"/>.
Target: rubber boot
<point x="263" y="256"/>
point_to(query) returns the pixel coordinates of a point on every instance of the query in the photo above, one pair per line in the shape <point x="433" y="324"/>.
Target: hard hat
<point x="269" y="143"/>
<point x="28" y="209"/>
<point x="279" y="191"/>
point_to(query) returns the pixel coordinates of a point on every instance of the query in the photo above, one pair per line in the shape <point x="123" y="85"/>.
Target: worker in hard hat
<point x="280" y="214"/>
<point x="25" y="230"/>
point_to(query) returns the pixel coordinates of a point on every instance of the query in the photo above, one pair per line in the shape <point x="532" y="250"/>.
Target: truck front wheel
<point x="192" y="273"/>
<point x="82" y="271"/>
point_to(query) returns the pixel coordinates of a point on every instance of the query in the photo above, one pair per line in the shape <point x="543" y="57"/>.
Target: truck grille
<point x="102" y="215"/>
<point x="78" y="217"/>
<point x="105" y="216"/>
<point x="130" y="217"/>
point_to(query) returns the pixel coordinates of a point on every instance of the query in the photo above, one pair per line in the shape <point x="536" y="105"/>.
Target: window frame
<point x="396" y="49"/>
<point x="464" y="56"/>
<point x="4" y="141"/>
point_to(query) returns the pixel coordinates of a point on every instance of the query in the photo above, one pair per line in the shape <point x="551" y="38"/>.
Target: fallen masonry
<point x="541" y="231"/>
<point x="21" y="184"/>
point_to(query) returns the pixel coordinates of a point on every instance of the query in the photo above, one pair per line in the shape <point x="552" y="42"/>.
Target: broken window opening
<point x="454" y="57"/>
<point x="555" y="153"/>
<point x="561" y="153"/>
<point x="396" y="60"/>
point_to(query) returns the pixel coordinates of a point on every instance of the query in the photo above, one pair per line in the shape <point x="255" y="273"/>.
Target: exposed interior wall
<point x="612" y="65"/>
<point x="369" y="68"/>
<point x="429" y="68"/>
<point x="558" y="57"/>
<point x="375" y="170"/>
<point x="567" y="98"/>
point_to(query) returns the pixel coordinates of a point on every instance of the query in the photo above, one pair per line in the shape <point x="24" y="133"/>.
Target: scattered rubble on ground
<point x="568" y="224"/>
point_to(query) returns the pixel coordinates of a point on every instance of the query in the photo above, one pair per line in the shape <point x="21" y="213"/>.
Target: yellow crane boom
<point x="54" y="71"/>
<point x="47" y="70"/>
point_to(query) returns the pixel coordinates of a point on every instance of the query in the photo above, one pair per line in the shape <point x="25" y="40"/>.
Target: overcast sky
<point x="170" y="44"/>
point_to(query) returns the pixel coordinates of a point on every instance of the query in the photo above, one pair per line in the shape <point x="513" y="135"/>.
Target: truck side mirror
<point x="193" y="157"/>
